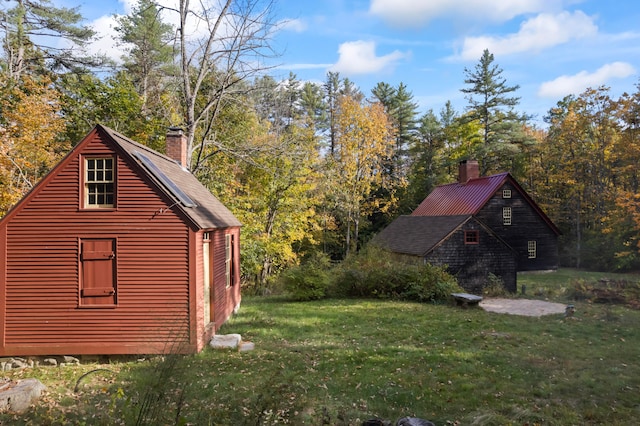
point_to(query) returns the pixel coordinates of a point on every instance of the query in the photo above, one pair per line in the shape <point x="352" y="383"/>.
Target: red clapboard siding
<point x="225" y="298"/>
<point x="42" y="309"/>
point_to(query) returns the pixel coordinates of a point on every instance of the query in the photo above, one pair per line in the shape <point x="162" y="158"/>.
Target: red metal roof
<point x="460" y="199"/>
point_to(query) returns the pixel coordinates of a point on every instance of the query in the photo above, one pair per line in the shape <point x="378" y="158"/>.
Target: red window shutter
<point x="98" y="285"/>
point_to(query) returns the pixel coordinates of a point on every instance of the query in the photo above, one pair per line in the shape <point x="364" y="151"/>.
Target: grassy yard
<point x="339" y="362"/>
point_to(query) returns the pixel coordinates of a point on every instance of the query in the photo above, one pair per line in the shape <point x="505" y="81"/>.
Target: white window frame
<point x="99" y="182"/>
<point x="532" y="249"/>
<point x="507" y="216"/>
<point x="228" y="262"/>
<point x="506" y="193"/>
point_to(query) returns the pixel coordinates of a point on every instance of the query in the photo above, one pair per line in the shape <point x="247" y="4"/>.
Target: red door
<point x="98" y="261"/>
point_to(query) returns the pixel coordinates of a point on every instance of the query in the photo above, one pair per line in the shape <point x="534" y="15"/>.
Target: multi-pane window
<point x="506" y="215"/>
<point x="506" y="193"/>
<point x="229" y="267"/>
<point x="99" y="183"/>
<point x="532" y="249"/>
<point x="471" y="237"/>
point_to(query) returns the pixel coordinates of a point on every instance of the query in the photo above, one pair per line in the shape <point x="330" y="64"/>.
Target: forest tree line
<point x="310" y="169"/>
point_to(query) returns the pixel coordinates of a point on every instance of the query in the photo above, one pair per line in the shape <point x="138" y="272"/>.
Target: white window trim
<point x="228" y="262"/>
<point x="87" y="183"/>
<point x="506" y="216"/>
<point x="532" y="249"/>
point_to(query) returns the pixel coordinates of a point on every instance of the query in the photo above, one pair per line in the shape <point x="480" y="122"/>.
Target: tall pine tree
<point x="491" y="104"/>
<point x="38" y="37"/>
<point x="149" y="54"/>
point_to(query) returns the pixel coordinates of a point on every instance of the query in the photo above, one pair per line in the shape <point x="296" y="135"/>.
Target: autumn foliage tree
<point x="29" y="143"/>
<point x="364" y="143"/>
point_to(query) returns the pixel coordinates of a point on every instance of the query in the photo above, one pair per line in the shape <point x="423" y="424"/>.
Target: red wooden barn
<point x="118" y="250"/>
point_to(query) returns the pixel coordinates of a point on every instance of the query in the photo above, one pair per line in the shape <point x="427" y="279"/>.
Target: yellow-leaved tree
<point x="29" y="137"/>
<point x="363" y="148"/>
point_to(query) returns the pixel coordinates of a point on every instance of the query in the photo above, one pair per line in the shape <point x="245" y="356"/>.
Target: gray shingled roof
<point x="208" y="213"/>
<point x="417" y="235"/>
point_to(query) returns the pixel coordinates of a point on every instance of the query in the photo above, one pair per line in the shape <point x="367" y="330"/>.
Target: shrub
<point x="307" y="281"/>
<point x="373" y="273"/>
<point x="494" y="287"/>
<point x="606" y="291"/>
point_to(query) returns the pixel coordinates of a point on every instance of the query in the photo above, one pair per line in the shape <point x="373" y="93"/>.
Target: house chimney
<point x="467" y="170"/>
<point x="177" y="145"/>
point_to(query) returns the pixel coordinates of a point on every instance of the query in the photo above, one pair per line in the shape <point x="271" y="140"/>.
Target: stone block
<point x="246" y="346"/>
<point x="225" y="341"/>
<point x="18" y="396"/>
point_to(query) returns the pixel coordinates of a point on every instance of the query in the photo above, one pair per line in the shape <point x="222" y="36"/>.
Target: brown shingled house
<point x="476" y="226"/>
<point x="118" y="250"/>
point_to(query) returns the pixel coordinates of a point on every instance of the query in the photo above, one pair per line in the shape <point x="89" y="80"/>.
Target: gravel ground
<point x="531" y="308"/>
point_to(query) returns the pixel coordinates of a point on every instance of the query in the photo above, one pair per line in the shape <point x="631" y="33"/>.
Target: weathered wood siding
<point x="472" y="263"/>
<point x="526" y="225"/>
<point x="42" y="313"/>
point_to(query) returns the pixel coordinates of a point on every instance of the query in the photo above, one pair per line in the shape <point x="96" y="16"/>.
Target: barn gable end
<point x="468" y="249"/>
<point x="113" y="280"/>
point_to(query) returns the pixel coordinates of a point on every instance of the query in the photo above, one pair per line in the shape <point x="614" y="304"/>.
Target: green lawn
<point x="339" y="362"/>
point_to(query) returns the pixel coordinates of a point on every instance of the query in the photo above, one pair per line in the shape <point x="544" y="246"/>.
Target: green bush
<point x="307" y="281"/>
<point x="494" y="287"/>
<point x="374" y="273"/>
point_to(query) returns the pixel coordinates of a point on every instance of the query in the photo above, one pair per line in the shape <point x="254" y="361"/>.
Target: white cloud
<point x="540" y="32"/>
<point x="128" y="5"/>
<point x="359" y="57"/>
<point x="305" y="66"/>
<point x="106" y="38"/>
<point x="577" y="83"/>
<point x="415" y="13"/>
<point x="295" y="25"/>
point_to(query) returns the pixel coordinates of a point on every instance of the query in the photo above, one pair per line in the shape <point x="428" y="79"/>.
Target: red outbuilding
<point x="118" y="250"/>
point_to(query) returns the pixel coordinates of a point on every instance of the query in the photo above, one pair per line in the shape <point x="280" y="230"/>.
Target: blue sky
<point x="550" y="48"/>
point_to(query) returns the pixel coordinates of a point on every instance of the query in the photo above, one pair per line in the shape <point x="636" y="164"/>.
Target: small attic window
<point x="99" y="183"/>
<point x="506" y="193"/>
<point x="472" y="236"/>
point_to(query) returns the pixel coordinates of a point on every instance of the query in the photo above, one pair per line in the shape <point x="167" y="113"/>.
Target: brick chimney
<point x="177" y="145"/>
<point x="468" y="169"/>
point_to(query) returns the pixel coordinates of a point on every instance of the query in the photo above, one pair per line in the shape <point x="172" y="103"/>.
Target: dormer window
<point x="99" y="183"/>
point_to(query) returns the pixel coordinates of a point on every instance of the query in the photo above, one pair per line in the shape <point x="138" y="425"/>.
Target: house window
<point x="99" y="183"/>
<point x="506" y="215"/>
<point x="206" y="275"/>
<point x="229" y="259"/>
<point x="472" y="237"/>
<point x="532" y="249"/>
<point x="506" y="193"/>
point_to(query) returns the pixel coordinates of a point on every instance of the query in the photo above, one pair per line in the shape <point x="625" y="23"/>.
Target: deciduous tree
<point x="364" y="144"/>
<point x="221" y="45"/>
<point x="29" y="137"/>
